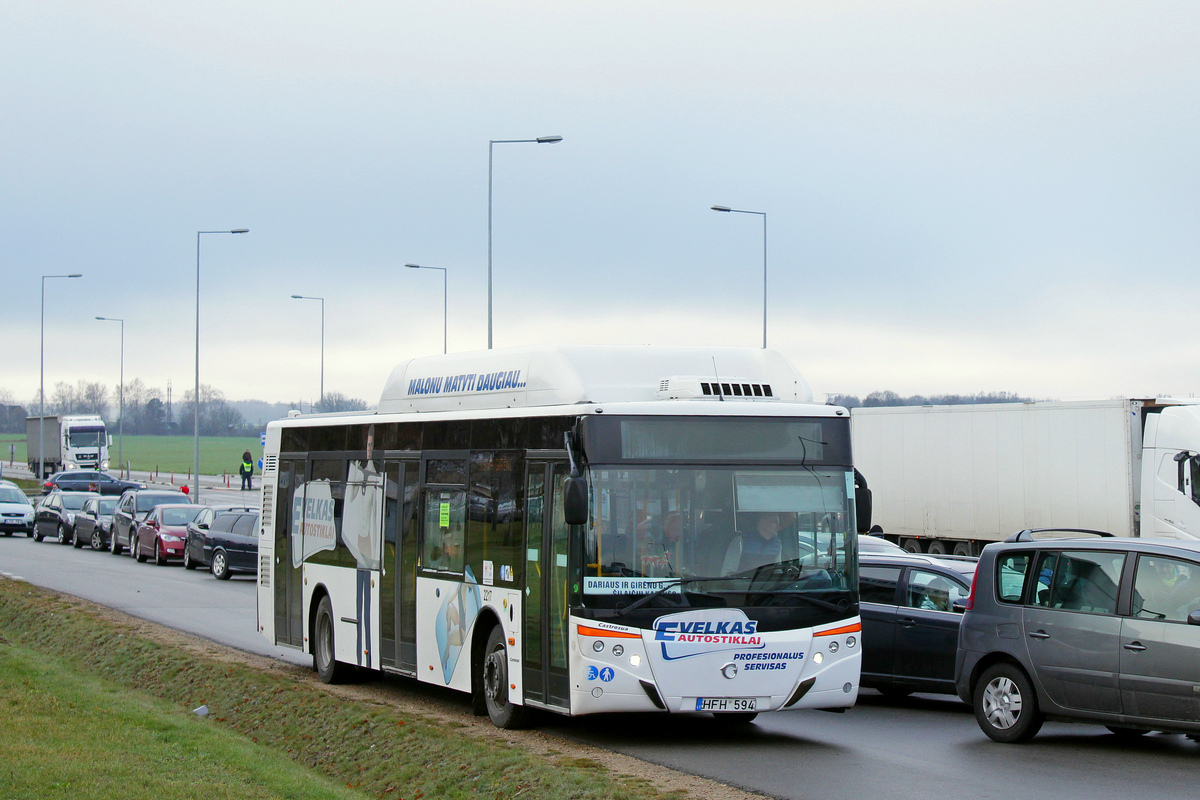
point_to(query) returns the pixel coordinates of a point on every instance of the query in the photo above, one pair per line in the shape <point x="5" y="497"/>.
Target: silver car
<point x="1102" y="630"/>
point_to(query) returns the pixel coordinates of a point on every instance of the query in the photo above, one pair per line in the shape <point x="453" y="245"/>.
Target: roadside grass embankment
<point x="164" y="454"/>
<point x="62" y="660"/>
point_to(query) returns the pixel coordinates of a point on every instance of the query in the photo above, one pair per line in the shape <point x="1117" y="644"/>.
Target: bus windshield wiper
<point x="671" y="583"/>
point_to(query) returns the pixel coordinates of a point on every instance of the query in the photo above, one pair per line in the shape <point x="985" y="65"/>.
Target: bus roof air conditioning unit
<point x="686" y="387"/>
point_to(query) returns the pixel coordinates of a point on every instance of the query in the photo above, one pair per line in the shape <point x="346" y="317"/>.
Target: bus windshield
<point x="720" y="536"/>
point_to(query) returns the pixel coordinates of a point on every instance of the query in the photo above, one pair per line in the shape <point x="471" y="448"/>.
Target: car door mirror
<point x="202" y="526"/>
<point x="958" y="606"/>
<point x="1194" y="618"/>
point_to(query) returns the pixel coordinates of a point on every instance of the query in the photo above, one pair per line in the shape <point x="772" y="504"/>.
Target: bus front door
<point x="547" y="587"/>
<point x="289" y="597"/>
<point x="398" y="593"/>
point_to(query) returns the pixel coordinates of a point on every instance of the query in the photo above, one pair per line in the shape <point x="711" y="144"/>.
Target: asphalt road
<point x="924" y="748"/>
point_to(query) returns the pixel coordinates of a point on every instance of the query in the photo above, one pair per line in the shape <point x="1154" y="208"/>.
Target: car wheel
<point x="159" y="561"/>
<point x="324" y="661"/>
<point x="1126" y="733"/>
<point x="114" y="545"/>
<point x="62" y="534"/>
<point x="76" y="542"/>
<point x="1006" y="706"/>
<point x="187" y="558"/>
<point x="220" y="565"/>
<point x="135" y="550"/>
<point x="501" y="710"/>
<point x="96" y="538"/>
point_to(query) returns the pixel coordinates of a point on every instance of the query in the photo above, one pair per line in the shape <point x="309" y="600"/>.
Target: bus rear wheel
<point x="325" y="662"/>
<point x="501" y="710"/>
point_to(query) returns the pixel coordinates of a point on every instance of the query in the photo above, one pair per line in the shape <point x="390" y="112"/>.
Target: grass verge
<point x="71" y="735"/>
<point x="363" y="746"/>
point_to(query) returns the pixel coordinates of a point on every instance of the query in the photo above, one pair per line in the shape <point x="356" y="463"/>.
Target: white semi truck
<point x="66" y="442"/>
<point x="950" y="479"/>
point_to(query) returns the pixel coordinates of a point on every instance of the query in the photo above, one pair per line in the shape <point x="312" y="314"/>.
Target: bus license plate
<point x="726" y="704"/>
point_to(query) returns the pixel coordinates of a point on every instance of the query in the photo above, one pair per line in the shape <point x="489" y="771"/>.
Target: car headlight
<point x="169" y="538"/>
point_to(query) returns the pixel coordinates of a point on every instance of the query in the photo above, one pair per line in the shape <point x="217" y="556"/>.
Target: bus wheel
<point x="503" y="713"/>
<point x="324" y="660"/>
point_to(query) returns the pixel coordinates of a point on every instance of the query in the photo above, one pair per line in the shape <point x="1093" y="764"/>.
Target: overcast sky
<point x="960" y="197"/>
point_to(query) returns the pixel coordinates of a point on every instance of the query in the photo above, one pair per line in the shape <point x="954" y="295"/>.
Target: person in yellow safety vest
<point x="247" y="470"/>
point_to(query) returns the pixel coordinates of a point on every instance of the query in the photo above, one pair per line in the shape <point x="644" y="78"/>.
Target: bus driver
<point x="749" y="551"/>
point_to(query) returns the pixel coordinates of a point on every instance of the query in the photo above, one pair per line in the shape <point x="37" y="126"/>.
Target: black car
<point x="94" y="522"/>
<point x="55" y="515"/>
<point x="132" y="508"/>
<point x="86" y="480"/>
<point x="909" y="625"/>
<point x="227" y="542"/>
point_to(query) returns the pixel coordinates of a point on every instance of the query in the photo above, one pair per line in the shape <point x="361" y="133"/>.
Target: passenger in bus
<point x="749" y="551"/>
<point x="661" y="554"/>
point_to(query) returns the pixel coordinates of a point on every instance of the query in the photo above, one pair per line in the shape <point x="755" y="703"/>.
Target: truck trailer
<point x="950" y="479"/>
<point x="66" y="442"/>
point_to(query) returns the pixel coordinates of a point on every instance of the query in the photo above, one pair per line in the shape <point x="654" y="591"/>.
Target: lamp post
<point x="762" y="214"/>
<point x="42" y="382"/>
<point x="121" y="419"/>
<point x="445" y="306"/>
<point x="322" y="299"/>
<point x="491" y="147"/>
<point x="196" y="399"/>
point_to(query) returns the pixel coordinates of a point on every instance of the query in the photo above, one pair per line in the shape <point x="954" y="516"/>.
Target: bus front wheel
<point x="501" y="710"/>
<point x="324" y="659"/>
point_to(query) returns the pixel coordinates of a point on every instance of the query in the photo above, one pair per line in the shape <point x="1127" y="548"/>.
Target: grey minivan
<point x="1103" y="630"/>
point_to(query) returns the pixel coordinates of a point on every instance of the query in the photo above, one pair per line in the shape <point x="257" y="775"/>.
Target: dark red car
<point x="162" y="534"/>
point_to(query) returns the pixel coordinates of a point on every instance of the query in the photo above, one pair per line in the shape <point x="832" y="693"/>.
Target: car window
<point x="877" y="584"/>
<point x="178" y="516"/>
<point x="73" y="502"/>
<point x="933" y="591"/>
<point x="1166" y="588"/>
<point x="52" y="501"/>
<point x="1079" y="580"/>
<point x="106" y="506"/>
<point x="145" y="502"/>
<point x="225" y="522"/>
<point x="204" y="517"/>
<point x="8" y="494"/>
<point x="1010" y="575"/>
<point x="245" y="524"/>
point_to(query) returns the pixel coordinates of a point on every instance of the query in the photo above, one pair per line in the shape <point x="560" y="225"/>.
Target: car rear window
<point x="74" y="502"/>
<point x="1011" y="569"/>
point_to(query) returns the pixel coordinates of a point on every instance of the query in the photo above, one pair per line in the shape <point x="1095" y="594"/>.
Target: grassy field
<point x="166" y="454"/>
<point x="91" y="708"/>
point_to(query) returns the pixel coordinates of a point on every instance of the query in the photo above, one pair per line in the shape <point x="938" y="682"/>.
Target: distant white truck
<point x="950" y="479"/>
<point x="69" y="441"/>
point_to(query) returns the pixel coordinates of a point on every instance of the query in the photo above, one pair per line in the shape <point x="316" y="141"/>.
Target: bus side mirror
<point x="862" y="503"/>
<point x="575" y="500"/>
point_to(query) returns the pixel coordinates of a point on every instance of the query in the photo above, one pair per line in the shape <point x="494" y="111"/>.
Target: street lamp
<point x="762" y="214"/>
<point x="491" y="146"/>
<point x="121" y="419"/>
<point x="444" y="305"/>
<point x="322" y="299"/>
<point x="196" y="399"/>
<point x="42" y="382"/>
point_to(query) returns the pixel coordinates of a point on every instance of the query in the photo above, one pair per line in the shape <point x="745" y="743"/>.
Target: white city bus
<point x="576" y="529"/>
